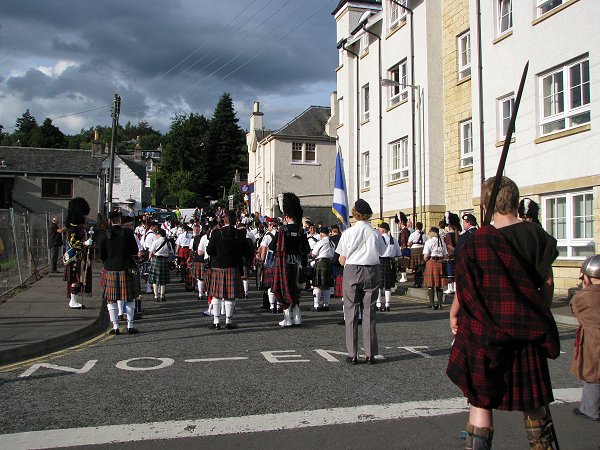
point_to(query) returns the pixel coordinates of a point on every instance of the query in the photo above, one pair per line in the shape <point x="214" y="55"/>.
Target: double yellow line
<point x="58" y="354"/>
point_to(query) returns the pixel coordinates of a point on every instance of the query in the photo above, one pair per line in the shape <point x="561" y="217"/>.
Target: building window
<point x="466" y="143"/>
<point x="505" y="21"/>
<point x="399" y="160"/>
<point x="365" y="170"/>
<point x="565" y="97"/>
<point x="543" y="6"/>
<point x="304" y="152"/>
<point x="149" y="165"/>
<point x="57" y="188"/>
<point x="396" y="13"/>
<point x="570" y="219"/>
<point x="505" y="109"/>
<point x="365" y="102"/>
<point x="364" y="44"/>
<point x="341" y="110"/>
<point x="464" y="55"/>
<point x="399" y="92"/>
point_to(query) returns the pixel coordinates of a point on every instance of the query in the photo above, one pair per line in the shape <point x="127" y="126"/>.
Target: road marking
<point x="233" y="358"/>
<point x="71" y="437"/>
<point x="58" y="354"/>
<point x="164" y="362"/>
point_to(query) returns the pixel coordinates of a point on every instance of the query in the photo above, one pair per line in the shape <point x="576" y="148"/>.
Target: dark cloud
<point x="245" y="48"/>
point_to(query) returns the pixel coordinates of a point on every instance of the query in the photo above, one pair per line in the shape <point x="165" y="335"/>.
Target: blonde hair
<point x="507" y="200"/>
<point x="359" y="216"/>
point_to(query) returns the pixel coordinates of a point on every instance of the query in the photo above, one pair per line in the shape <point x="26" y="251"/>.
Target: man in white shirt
<point x="359" y="249"/>
<point x="268" y="263"/>
<point x="322" y="252"/>
<point x="147" y="239"/>
<point x="387" y="266"/>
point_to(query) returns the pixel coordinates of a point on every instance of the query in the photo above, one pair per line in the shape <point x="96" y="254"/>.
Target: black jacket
<point x="226" y="248"/>
<point x="117" y="247"/>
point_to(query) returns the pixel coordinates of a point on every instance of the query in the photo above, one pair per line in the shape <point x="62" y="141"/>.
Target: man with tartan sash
<point x="504" y="329"/>
<point x="117" y="248"/>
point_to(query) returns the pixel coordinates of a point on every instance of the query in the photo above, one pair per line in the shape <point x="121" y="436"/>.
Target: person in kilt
<point x="207" y="270"/>
<point x="196" y="258"/>
<point x="247" y="259"/>
<point x="117" y="247"/>
<point x="434" y="255"/>
<point x="387" y="266"/>
<point x="291" y="249"/>
<point x="159" y="274"/>
<point x="268" y="262"/>
<point x="504" y="330"/>
<point x="78" y="268"/>
<point x="322" y="253"/>
<point x="128" y="222"/>
<point x="227" y="247"/>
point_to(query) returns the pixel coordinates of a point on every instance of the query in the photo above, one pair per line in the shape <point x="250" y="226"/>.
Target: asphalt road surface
<point x="260" y="386"/>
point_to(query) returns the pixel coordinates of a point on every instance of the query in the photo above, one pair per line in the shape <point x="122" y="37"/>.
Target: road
<point x="179" y="380"/>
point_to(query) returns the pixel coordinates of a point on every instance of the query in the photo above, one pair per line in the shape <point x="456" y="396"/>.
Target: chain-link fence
<point x="23" y="246"/>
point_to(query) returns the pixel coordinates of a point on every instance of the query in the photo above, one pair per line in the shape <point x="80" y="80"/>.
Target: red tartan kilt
<point x="118" y="285"/>
<point x="338" y="286"/>
<point x="416" y="256"/>
<point x="226" y="283"/>
<point x="184" y="253"/>
<point x="207" y="275"/>
<point x="197" y="270"/>
<point x="267" y="277"/>
<point x="434" y="274"/>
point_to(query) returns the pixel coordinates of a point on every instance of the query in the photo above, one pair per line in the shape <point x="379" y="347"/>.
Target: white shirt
<point x="312" y="240"/>
<point x="183" y="240"/>
<point x="323" y="249"/>
<point x="361" y="245"/>
<point x="250" y="235"/>
<point x="165" y="250"/>
<point x="391" y="249"/>
<point x="434" y="247"/>
<point x="202" y="246"/>
<point x="148" y="239"/>
<point x="266" y="240"/>
<point x="414" y="237"/>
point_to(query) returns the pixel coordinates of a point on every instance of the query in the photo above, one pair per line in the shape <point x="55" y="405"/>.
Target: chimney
<point x="96" y="145"/>
<point x="256" y="118"/>
<point x="137" y="152"/>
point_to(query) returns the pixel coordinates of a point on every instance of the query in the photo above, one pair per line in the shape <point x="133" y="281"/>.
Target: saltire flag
<point x="340" y="195"/>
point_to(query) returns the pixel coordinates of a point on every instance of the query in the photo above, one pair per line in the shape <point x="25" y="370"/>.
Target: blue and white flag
<point x="340" y="195"/>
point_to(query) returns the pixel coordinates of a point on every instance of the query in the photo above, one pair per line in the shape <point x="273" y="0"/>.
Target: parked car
<point x="164" y="216"/>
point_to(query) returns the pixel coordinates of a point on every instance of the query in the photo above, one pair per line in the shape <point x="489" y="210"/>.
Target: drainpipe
<point x="480" y="106"/>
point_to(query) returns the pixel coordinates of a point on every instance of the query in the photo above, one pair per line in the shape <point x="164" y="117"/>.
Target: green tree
<point x="25" y="126"/>
<point x="47" y="136"/>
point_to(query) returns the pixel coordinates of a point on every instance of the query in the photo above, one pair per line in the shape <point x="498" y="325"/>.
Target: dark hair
<point x="162" y="232"/>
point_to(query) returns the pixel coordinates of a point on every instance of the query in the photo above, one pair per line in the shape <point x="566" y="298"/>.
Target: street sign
<point x="230" y="201"/>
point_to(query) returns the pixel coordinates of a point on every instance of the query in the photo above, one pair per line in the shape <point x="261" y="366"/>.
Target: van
<point x="164" y="216"/>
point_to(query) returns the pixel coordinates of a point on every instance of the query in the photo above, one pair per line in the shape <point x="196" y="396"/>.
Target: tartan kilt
<point x="267" y="277"/>
<point x="433" y="275"/>
<point x="118" y="285"/>
<point x="197" y="270"/>
<point x="226" y="283"/>
<point x="339" y="279"/>
<point x="159" y="272"/>
<point x="387" y="273"/>
<point x="322" y="277"/>
<point x="416" y="256"/>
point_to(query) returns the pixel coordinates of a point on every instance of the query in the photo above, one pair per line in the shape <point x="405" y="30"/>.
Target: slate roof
<point x="311" y="123"/>
<point x="49" y="161"/>
<point x="138" y="167"/>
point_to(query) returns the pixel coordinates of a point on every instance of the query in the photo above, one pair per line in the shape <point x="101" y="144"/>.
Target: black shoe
<point x="163" y="299"/>
<point x="214" y="326"/>
<point x="115" y="331"/>
<point x="156" y="299"/>
<point x="387" y="308"/>
<point x="230" y="326"/>
<point x="578" y="413"/>
<point x="132" y="331"/>
<point x="342" y="322"/>
<point x="325" y="308"/>
<point x="316" y="309"/>
<point x="435" y="307"/>
<point x="370" y="360"/>
<point x="351" y="360"/>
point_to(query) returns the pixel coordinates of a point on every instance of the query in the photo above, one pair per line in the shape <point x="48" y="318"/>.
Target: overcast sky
<point x="59" y="57"/>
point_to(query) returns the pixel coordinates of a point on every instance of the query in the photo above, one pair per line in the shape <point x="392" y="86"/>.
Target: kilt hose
<point x="267" y="277"/>
<point x="226" y="283"/>
<point x="159" y="272"/>
<point x="387" y="273"/>
<point x="118" y="285"/>
<point x="416" y="256"/>
<point x="322" y="277"/>
<point x="434" y="274"/>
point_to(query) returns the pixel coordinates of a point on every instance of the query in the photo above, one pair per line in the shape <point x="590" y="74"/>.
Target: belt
<point x="437" y="258"/>
<point x="323" y="259"/>
<point x="158" y="256"/>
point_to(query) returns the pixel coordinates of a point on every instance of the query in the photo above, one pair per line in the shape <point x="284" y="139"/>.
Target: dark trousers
<point x="54" y="251"/>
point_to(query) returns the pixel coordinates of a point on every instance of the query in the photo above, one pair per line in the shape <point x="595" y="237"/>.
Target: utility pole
<point x="116" y="109"/>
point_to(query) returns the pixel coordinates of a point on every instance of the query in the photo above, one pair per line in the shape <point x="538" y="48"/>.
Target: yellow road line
<point x="100" y="339"/>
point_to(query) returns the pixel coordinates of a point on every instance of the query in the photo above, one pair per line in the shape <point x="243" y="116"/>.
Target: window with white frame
<point x="466" y="143"/>
<point x="397" y="92"/>
<point x="399" y="160"/>
<point x="304" y="152"/>
<point x="341" y="110"/>
<point x="543" y="6"/>
<point x="506" y="105"/>
<point x="365" y="102"/>
<point x="565" y="97"/>
<point x="396" y="13"/>
<point x="505" y="21"/>
<point x="569" y="218"/>
<point x="364" y="43"/>
<point x="117" y="177"/>
<point x="464" y="55"/>
<point x="365" y="170"/>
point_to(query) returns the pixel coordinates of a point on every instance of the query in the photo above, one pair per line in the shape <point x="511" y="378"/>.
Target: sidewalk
<point x="38" y="320"/>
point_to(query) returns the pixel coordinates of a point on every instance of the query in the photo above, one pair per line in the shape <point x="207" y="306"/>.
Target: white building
<point x="298" y="158"/>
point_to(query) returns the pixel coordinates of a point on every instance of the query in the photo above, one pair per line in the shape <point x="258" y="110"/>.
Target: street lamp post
<point x="417" y="117"/>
